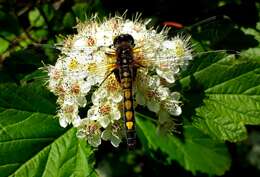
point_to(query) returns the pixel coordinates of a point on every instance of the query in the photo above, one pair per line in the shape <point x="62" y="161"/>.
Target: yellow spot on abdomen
<point x="129" y="125"/>
<point x="126" y="74"/>
<point x="129" y="115"/>
<point x="126" y="82"/>
<point x="127" y="94"/>
<point x="128" y="104"/>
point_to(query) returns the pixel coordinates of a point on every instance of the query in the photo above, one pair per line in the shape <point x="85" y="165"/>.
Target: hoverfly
<point x="125" y="73"/>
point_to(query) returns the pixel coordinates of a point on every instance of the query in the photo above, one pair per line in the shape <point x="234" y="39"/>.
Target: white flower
<point x="90" y="130"/>
<point x="104" y="112"/>
<point x="171" y="104"/>
<point x="172" y="56"/>
<point x="150" y="92"/>
<point x="68" y="112"/>
<point x="113" y="133"/>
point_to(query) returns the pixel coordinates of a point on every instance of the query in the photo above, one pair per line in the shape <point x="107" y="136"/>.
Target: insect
<point x="121" y="63"/>
<point x="125" y="74"/>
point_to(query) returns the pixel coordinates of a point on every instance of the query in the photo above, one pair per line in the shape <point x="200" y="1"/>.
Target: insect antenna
<point x="213" y="30"/>
<point x="206" y="21"/>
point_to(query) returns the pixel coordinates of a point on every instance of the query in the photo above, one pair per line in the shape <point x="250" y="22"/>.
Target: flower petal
<point x="168" y="75"/>
<point x="175" y="110"/>
<point x="175" y="96"/>
<point x="115" y="141"/>
<point x="106" y="134"/>
<point x="93" y="113"/>
<point x="76" y="122"/>
<point x="94" y="140"/>
<point x="140" y="98"/>
<point x="117" y="98"/>
<point x="153" y="106"/>
<point x="104" y="121"/>
<point x="81" y="134"/>
<point x="63" y="122"/>
<point x="163" y="92"/>
<point x="116" y="114"/>
<point x="82" y="101"/>
<point x="85" y="87"/>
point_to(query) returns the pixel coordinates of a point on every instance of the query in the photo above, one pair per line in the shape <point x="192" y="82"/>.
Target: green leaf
<point x="39" y="76"/>
<point x="66" y="156"/>
<point x="225" y="96"/>
<point x="39" y="34"/>
<point x="48" y="11"/>
<point x="252" y="52"/>
<point x="9" y="23"/>
<point x="197" y="152"/>
<point x="3" y="45"/>
<point x="31" y="98"/>
<point x="23" y="62"/>
<point x="35" y="18"/>
<point x="22" y="135"/>
<point x="31" y="141"/>
<point x="81" y="9"/>
<point x="69" y="20"/>
<point x="254" y="32"/>
<point x="211" y="30"/>
<point x="5" y="77"/>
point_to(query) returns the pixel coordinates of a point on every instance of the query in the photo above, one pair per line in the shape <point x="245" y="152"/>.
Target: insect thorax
<point x="124" y="44"/>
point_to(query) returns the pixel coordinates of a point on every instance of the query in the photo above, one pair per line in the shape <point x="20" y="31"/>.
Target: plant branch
<point x="46" y="21"/>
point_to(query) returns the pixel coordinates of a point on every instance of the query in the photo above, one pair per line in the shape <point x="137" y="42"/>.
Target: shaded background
<point x="29" y="30"/>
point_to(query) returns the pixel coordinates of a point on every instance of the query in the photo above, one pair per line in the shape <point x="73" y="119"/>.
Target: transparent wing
<point x="91" y="64"/>
<point x="165" y="57"/>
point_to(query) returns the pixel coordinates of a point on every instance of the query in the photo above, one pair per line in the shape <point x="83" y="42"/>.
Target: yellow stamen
<point x="73" y="64"/>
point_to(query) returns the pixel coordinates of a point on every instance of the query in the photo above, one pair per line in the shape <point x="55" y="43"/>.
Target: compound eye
<point x="123" y="38"/>
<point x="130" y="39"/>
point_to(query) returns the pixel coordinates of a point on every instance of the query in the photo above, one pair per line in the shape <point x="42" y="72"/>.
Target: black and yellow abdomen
<point x="125" y="74"/>
<point x="126" y="77"/>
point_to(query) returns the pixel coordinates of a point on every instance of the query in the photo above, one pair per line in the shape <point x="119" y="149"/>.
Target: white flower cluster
<point x="84" y="63"/>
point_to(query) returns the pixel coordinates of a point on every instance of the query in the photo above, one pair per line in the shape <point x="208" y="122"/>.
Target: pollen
<point x="105" y="109"/>
<point x="90" y="41"/>
<point x="91" y="128"/>
<point x="73" y="64"/>
<point x="60" y="89"/>
<point x="180" y="50"/>
<point x="56" y="75"/>
<point x="92" y="67"/>
<point x="69" y="109"/>
<point x="75" y="88"/>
